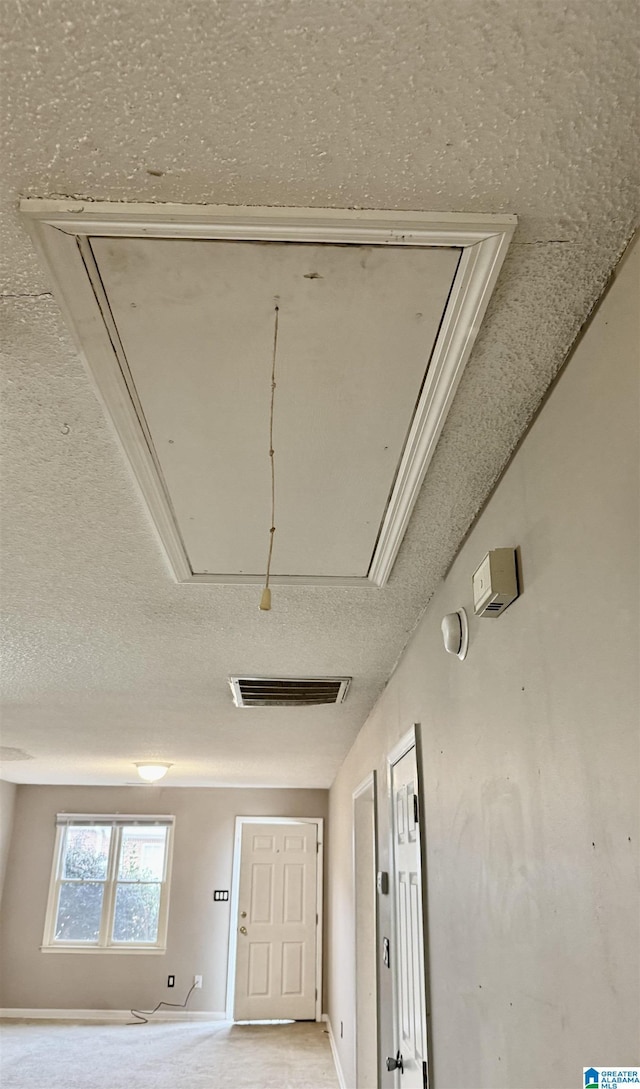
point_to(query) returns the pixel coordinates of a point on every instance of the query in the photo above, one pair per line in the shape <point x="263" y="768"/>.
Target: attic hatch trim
<point x="251" y="691"/>
<point x="61" y="230"/>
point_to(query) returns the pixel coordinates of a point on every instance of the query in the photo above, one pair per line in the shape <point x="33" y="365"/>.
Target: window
<point x="109" y="884"/>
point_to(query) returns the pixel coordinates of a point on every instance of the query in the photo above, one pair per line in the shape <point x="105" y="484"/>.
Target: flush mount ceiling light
<point x="152" y="772"/>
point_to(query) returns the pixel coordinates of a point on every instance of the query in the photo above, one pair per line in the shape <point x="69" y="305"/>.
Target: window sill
<point x="135" y="951"/>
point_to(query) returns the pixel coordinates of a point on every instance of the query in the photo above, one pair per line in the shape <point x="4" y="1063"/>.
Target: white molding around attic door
<point x="63" y="229"/>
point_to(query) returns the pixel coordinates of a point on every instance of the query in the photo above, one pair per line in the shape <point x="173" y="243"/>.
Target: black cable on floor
<point x="144" y="1015"/>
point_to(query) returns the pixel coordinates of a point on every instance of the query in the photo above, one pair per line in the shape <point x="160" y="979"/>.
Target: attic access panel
<point x="356" y="327"/>
<point x="173" y="308"/>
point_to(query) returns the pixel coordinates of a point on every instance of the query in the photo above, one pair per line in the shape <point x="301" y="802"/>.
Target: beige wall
<point x="530" y="773"/>
<point x="7" y="802"/>
<point x="197" y="940"/>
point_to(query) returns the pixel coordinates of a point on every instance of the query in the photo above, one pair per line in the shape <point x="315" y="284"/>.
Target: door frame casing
<point x="369" y="782"/>
<point x="425" y="902"/>
<point x="235" y="895"/>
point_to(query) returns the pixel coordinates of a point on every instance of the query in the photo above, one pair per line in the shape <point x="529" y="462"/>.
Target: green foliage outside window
<point x="81" y="899"/>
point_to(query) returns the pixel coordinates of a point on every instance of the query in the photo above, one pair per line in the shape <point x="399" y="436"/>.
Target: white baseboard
<point x="336" y="1057"/>
<point x="120" y="1016"/>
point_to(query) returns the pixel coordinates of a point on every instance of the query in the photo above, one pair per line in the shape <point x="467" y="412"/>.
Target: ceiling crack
<point x="28" y="295"/>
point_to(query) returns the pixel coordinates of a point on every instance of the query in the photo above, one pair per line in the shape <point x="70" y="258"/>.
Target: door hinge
<point x="425" y="1076"/>
<point x="415" y="809"/>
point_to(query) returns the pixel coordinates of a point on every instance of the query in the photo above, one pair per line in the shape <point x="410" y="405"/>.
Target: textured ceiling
<point x="478" y="106"/>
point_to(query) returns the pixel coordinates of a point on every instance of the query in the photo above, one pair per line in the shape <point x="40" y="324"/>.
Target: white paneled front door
<point x="276" y="922"/>
<point x="408" y="946"/>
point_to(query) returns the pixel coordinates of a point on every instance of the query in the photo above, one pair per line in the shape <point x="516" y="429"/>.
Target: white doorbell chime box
<point x="495" y="582"/>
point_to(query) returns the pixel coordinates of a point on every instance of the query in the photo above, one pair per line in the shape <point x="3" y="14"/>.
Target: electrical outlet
<point x="197" y="982"/>
<point x="171" y="981"/>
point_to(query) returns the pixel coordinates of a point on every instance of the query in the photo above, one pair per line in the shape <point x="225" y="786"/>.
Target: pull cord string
<point x="265" y="602"/>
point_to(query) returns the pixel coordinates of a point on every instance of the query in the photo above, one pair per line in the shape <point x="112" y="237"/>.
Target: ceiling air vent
<point x="288" y="691"/>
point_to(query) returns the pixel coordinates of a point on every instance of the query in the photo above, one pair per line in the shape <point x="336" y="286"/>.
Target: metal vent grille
<point x="288" y="691"/>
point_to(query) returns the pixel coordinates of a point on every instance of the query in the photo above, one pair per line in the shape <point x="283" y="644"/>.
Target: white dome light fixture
<point x="152" y="771"/>
<point x="455" y="634"/>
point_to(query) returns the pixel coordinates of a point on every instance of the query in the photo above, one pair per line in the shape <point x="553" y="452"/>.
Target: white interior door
<point x="408" y="946"/>
<point x="276" y="940"/>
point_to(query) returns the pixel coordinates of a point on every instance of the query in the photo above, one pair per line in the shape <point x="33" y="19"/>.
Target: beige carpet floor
<point x="169" y="1055"/>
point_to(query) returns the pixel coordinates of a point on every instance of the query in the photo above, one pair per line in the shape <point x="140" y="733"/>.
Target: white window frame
<point x="105" y="943"/>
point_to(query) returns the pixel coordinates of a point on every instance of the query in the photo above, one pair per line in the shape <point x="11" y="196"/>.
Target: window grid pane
<point x="137" y="911"/>
<point x="142" y="853"/>
<point x="79" y="911"/>
<point x="86" y="854"/>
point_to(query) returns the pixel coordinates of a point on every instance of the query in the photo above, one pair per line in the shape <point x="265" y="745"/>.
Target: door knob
<point x="243" y="930"/>
<point x="395" y="1064"/>
<point x="243" y="914"/>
